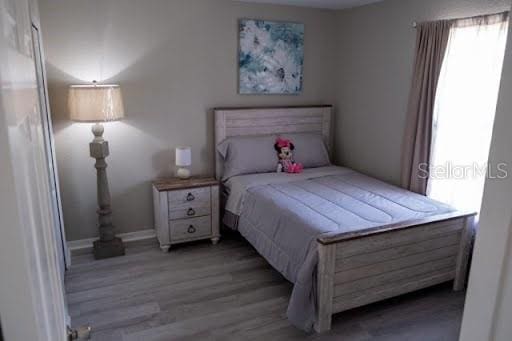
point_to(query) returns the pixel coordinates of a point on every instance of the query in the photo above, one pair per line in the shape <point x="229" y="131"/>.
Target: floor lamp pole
<point x="108" y="245"/>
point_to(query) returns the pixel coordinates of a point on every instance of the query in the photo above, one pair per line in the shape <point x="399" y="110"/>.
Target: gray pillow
<point x="310" y="149"/>
<point x="248" y="154"/>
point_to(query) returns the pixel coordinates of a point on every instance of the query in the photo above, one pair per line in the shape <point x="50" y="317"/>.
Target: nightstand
<point x="186" y="210"/>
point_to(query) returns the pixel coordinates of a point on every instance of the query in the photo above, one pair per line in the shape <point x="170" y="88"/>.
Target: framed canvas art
<point x="271" y="57"/>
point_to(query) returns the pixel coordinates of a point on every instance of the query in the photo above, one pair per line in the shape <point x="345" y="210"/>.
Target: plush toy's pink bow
<point x="281" y="143"/>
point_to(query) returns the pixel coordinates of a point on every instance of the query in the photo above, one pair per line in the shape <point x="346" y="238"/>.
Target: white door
<point x="62" y="249"/>
<point x="32" y="301"/>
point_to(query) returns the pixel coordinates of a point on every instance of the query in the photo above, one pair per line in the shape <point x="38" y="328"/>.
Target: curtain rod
<point x="415" y="23"/>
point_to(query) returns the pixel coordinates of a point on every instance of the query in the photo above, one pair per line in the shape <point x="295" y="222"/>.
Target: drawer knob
<point x="191" y="212"/>
<point x="190" y="197"/>
<point x="191" y="229"/>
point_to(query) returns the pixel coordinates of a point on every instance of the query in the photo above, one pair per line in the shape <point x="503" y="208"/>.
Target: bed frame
<point x="358" y="268"/>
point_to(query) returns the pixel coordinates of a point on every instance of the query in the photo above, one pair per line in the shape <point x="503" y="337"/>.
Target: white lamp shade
<point x="95" y="103"/>
<point x="183" y="156"/>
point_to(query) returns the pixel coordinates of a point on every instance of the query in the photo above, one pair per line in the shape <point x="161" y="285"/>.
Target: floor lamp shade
<point x="95" y="103"/>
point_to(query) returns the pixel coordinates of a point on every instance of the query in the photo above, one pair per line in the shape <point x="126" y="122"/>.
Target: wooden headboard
<point x="279" y="120"/>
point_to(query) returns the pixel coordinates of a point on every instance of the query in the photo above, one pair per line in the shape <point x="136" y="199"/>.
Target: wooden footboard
<point x="359" y="268"/>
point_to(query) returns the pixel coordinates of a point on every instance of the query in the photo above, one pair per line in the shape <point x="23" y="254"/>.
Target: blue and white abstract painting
<point x="271" y="57"/>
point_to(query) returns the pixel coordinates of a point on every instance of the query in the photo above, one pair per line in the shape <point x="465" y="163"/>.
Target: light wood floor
<point x="228" y="292"/>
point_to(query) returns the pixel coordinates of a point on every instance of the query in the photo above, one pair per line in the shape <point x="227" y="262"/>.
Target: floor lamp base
<point x="112" y="248"/>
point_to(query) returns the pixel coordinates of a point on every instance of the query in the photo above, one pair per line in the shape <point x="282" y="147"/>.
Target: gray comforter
<point x="283" y="218"/>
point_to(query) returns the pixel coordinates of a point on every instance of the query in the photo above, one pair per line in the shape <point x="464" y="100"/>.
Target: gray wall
<point x="175" y="60"/>
<point x="375" y="57"/>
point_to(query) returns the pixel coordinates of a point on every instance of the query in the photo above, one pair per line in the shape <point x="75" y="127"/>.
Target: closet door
<point x="62" y="250"/>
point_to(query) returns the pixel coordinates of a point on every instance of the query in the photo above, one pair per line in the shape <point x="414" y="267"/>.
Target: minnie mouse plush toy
<point x="286" y="163"/>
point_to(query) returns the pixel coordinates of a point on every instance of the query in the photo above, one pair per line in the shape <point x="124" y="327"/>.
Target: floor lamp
<point x="99" y="103"/>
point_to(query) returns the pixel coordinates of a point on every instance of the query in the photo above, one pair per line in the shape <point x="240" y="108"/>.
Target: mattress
<point x="282" y="215"/>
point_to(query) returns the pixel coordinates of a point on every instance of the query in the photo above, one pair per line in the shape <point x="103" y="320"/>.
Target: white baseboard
<point x="85" y="245"/>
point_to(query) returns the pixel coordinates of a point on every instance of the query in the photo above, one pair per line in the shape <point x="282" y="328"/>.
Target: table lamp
<point x="183" y="160"/>
<point x="99" y="103"/>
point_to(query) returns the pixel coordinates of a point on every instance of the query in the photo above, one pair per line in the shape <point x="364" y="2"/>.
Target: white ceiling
<point x="330" y="4"/>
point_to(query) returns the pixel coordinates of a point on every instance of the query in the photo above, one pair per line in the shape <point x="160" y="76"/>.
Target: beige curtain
<point x="431" y="42"/>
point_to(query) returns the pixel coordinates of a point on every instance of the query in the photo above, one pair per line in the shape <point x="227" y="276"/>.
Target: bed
<point x="344" y="239"/>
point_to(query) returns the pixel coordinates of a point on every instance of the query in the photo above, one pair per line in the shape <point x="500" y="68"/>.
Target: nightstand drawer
<point x="193" y="197"/>
<point x="190" y="228"/>
<point x="189" y="212"/>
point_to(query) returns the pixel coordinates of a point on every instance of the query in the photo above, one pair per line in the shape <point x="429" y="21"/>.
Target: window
<point x="464" y="111"/>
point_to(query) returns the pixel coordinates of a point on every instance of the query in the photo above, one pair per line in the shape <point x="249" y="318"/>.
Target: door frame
<point x="64" y="253"/>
